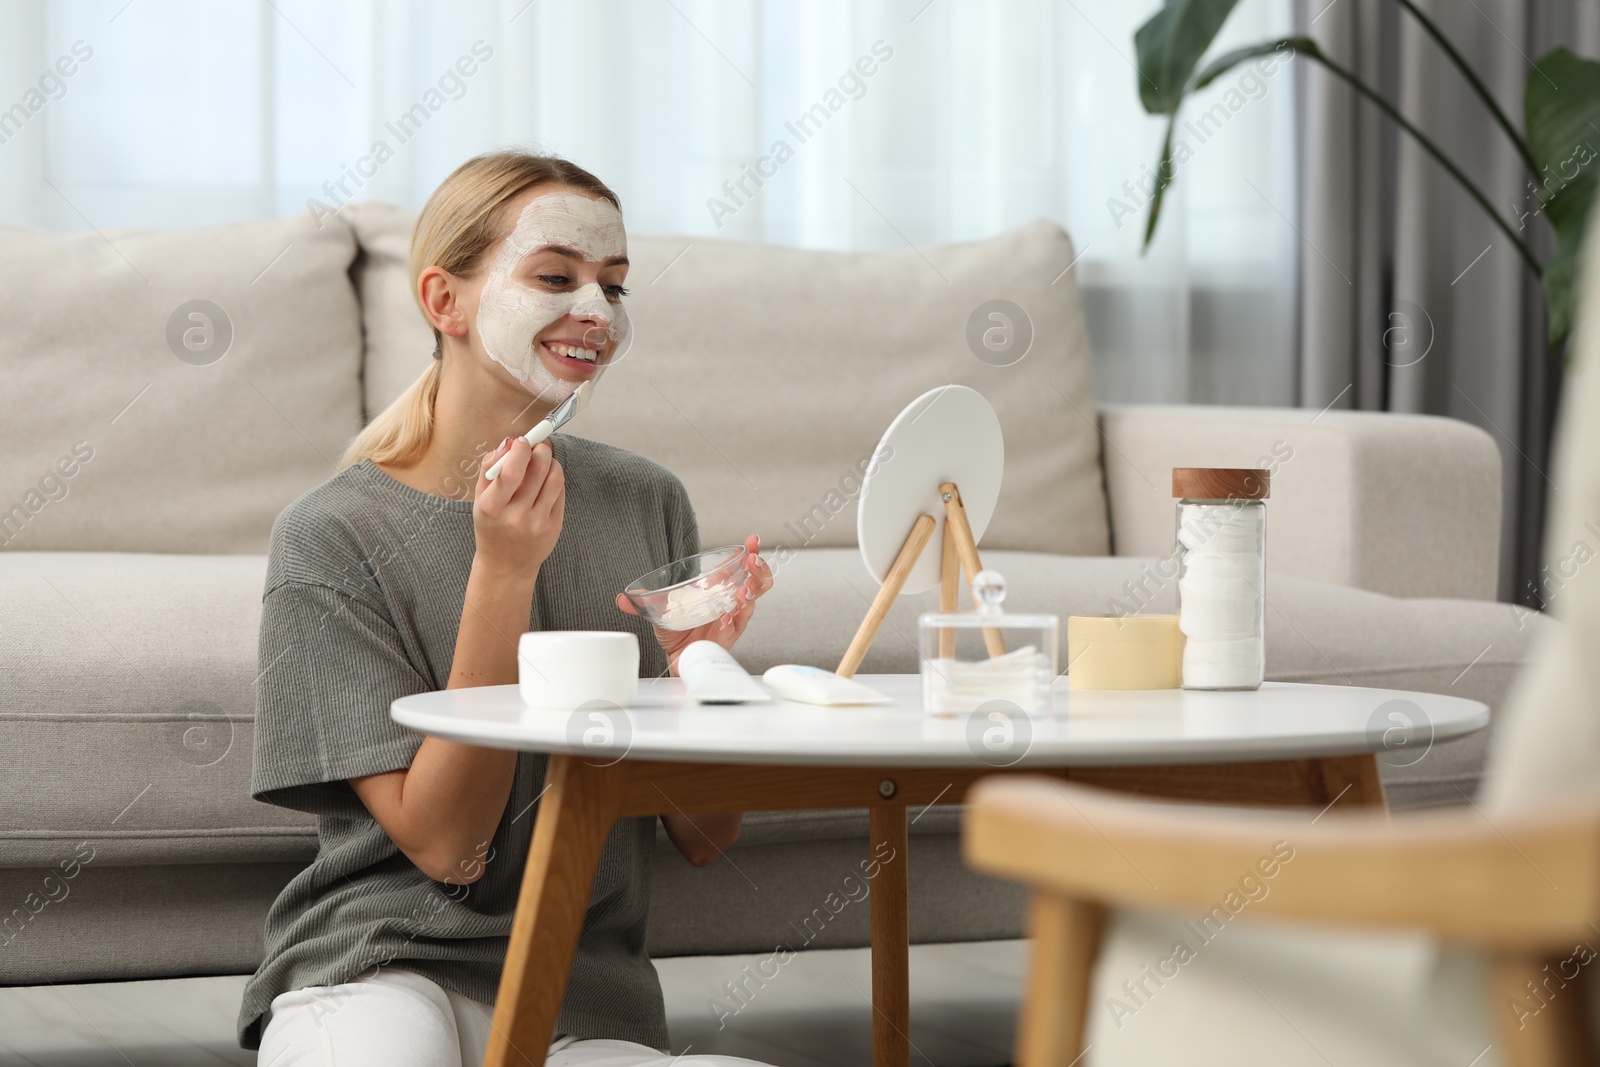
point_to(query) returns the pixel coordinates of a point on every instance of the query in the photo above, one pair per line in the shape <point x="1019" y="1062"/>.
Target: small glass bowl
<point x="692" y="591"/>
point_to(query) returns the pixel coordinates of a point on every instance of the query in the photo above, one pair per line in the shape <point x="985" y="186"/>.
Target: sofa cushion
<point x="843" y="340"/>
<point x="127" y="709"/>
<point x="118" y="435"/>
<point x="840" y="342"/>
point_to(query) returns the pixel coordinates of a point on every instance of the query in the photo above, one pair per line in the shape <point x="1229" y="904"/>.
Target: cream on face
<point x="511" y="314"/>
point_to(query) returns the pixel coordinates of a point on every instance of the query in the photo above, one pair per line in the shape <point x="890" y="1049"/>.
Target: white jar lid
<point x="579" y="645"/>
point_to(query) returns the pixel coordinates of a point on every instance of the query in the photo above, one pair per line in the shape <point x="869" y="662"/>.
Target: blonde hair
<point x="461" y="221"/>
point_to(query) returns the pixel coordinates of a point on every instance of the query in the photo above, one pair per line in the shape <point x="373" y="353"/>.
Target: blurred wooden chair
<point x="1523" y="890"/>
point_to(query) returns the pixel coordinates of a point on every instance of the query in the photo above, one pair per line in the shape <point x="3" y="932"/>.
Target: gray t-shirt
<point x="365" y="583"/>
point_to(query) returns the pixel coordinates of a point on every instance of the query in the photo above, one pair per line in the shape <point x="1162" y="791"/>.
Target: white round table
<point x="1086" y="728"/>
<point x="1282" y="744"/>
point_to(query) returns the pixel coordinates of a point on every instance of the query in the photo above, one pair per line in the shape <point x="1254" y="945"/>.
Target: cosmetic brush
<point x="551" y="423"/>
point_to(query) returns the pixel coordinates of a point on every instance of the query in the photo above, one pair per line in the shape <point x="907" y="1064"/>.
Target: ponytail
<point x="400" y="432"/>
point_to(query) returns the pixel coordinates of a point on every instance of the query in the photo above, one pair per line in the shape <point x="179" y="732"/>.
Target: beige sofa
<point x="146" y="452"/>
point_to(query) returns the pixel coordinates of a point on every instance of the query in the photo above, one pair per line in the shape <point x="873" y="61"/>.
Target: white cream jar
<point x="565" y="669"/>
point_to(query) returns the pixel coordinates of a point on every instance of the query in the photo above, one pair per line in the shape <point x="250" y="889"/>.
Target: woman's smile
<point x="576" y="354"/>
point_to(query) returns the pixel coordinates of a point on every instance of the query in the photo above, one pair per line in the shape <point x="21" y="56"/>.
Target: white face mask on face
<point x="511" y="314"/>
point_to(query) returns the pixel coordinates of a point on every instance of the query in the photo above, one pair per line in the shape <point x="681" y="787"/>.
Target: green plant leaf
<point x="1228" y="60"/>
<point x="1560" y="287"/>
<point x="1165" y="172"/>
<point x="1562" y="110"/>
<point x="1170" y="44"/>
<point x="1561" y="107"/>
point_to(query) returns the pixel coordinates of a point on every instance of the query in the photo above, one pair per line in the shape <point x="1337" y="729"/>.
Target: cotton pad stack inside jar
<point x="1219" y="594"/>
<point x="1222" y="574"/>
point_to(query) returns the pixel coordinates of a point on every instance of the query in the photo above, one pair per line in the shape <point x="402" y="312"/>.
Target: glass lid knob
<point x="988" y="590"/>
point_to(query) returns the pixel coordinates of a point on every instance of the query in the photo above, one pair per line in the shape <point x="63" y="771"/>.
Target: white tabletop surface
<point x="1281" y="720"/>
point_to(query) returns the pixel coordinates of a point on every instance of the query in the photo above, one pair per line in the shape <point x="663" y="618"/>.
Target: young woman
<point x="409" y="571"/>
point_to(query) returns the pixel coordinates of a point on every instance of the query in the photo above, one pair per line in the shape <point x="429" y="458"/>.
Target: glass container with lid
<point x="1222" y="572"/>
<point x="971" y="660"/>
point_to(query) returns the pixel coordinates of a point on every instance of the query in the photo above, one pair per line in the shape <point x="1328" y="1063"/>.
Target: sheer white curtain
<point x="869" y="125"/>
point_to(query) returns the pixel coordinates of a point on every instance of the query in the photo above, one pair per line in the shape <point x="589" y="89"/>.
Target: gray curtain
<point x="1411" y="300"/>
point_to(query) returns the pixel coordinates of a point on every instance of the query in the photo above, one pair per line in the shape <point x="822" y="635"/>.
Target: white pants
<point x="398" y="1018"/>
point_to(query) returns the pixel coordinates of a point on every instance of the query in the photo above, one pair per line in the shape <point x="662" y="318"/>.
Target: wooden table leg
<point x="1351" y="781"/>
<point x="580" y="806"/>
<point x="891" y="939"/>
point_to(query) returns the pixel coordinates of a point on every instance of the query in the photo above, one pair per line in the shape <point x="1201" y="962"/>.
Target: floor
<point x="814" y="1013"/>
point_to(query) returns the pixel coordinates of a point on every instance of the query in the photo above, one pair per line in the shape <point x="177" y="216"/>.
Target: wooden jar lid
<point x="1221" y="483"/>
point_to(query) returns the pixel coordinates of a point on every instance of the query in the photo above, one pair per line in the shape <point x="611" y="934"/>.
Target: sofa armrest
<point x="1407" y="505"/>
